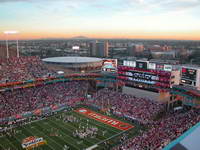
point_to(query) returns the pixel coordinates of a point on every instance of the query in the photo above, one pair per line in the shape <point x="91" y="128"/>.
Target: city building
<point x="98" y="49"/>
<point x="92" y="49"/>
<point x="134" y="49"/>
<point x="163" y="54"/>
<point x="102" y="49"/>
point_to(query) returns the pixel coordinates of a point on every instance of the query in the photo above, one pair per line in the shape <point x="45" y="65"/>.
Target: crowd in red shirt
<point x="159" y="133"/>
<point x="122" y="104"/>
<point x="22" y="69"/>
<point x="162" y="132"/>
<point x="28" y="99"/>
<point x="18" y="101"/>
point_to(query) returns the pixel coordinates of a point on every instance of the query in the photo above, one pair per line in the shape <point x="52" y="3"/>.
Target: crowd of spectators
<point x="23" y="68"/>
<point x="28" y="99"/>
<point x="121" y="104"/>
<point x="162" y="132"/>
<point x="17" y="101"/>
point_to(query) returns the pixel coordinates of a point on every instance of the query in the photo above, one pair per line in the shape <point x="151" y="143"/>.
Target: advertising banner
<point x="152" y="66"/>
<point x="32" y="142"/>
<point x="129" y="63"/>
<point x="167" y="67"/>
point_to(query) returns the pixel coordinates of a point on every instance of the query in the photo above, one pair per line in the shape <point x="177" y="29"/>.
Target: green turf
<point x="65" y="131"/>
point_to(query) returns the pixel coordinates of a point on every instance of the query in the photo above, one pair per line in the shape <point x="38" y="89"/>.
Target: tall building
<point x="135" y="48"/>
<point x="92" y="48"/>
<point x="102" y="49"/>
<point x="99" y="49"/>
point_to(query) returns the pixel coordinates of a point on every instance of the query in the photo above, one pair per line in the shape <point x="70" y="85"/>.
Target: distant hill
<point x="76" y="37"/>
<point x="79" y="37"/>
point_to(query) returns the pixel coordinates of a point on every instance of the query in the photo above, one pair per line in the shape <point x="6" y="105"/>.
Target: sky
<point x="137" y="19"/>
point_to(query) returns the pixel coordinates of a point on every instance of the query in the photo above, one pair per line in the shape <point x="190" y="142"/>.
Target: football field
<point x="71" y="130"/>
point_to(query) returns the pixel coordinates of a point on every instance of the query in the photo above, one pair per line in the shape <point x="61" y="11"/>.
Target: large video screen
<point x="142" y="65"/>
<point x="188" y="73"/>
<point x="109" y="65"/>
<point x="188" y="82"/>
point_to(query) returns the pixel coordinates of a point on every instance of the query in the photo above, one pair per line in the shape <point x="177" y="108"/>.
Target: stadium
<point x="78" y="64"/>
<point x="42" y="110"/>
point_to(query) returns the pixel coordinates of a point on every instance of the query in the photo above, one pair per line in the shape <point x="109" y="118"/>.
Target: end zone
<point x="104" y="119"/>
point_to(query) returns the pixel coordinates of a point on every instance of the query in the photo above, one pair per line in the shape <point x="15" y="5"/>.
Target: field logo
<point x="32" y="142"/>
<point x="104" y="119"/>
<point x="82" y="110"/>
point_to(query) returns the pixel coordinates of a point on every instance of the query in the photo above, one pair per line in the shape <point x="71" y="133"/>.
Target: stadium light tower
<point x="7" y="33"/>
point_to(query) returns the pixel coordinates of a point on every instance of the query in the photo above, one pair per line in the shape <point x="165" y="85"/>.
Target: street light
<point x="7" y="33"/>
<point x="11" y="32"/>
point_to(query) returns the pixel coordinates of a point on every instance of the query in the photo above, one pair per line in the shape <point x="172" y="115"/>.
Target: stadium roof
<point x="188" y="141"/>
<point x="71" y="60"/>
<point x="191" y="66"/>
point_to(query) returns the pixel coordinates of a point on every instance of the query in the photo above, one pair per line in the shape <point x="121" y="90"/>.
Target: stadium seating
<point x="159" y="133"/>
<point x="162" y="132"/>
<point x="28" y="99"/>
<point x="141" y="109"/>
<point x="22" y="69"/>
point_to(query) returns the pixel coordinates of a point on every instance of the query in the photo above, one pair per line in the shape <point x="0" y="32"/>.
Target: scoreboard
<point x="109" y="65"/>
<point x="190" y="74"/>
<point x="142" y="65"/>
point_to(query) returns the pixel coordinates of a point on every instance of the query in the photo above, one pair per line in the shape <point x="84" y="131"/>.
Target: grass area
<point x="64" y="133"/>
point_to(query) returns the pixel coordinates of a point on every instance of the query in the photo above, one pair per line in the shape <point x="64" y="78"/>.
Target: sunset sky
<point x="157" y="19"/>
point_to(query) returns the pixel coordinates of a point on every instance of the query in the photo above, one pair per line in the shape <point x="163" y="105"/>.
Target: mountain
<point x="79" y="37"/>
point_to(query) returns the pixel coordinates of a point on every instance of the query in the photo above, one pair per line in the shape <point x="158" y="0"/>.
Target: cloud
<point x="153" y="7"/>
<point x="180" y="4"/>
<point x="4" y="1"/>
<point x="165" y="5"/>
<point x="8" y="1"/>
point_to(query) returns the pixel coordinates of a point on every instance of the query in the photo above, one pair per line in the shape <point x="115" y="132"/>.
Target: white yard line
<point x="10" y="143"/>
<point x="43" y="134"/>
<point x="63" y="126"/>
<point x="106" y="140"/>
<point x="65" y="135"/>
